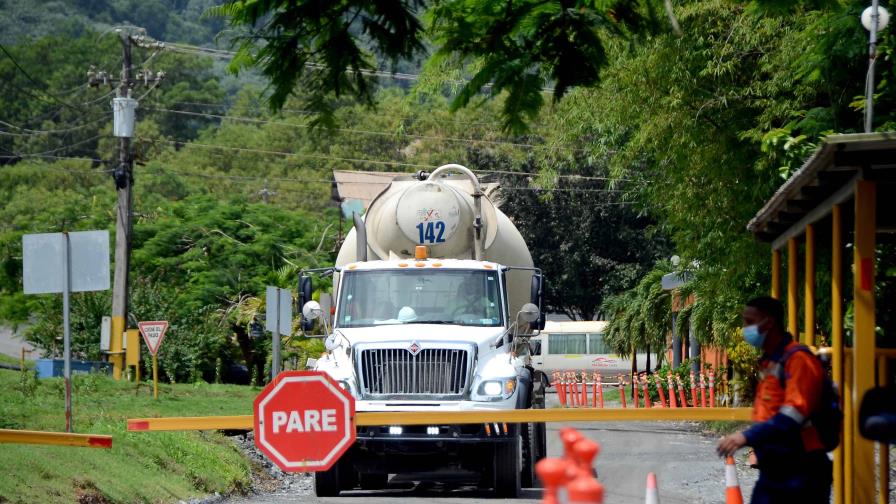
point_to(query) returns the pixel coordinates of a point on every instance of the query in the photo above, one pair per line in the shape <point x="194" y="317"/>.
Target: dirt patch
<point x="86" y="492"/>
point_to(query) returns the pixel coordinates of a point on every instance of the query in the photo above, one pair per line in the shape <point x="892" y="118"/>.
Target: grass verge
<point x="140" y="467"/>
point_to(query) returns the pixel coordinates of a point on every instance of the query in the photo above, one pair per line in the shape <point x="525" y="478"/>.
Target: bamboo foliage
<point x="639" y="318"/>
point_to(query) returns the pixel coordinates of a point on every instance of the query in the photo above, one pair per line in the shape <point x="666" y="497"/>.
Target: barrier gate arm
<point x="246" y="422"/>
<point x="55" y="438"/>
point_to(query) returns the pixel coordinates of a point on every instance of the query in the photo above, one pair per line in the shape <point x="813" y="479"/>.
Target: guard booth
<point x="834" y="221"/>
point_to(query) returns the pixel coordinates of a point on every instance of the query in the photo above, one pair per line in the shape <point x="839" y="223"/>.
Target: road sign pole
<point x="155" y="376"/>
<point x="275" y="344"/>
<point x="66" y="330"/>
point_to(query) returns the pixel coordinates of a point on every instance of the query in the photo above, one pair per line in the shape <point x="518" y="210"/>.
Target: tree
<point x="581" y="232"/>
<point x="513" y="47"/>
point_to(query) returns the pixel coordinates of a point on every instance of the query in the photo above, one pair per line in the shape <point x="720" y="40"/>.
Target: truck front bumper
<point x="425" y="449"/>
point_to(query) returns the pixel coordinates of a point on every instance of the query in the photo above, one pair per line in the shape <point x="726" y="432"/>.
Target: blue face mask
<point x="753" y="335"/>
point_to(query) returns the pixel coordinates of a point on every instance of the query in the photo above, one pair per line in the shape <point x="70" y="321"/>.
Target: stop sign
<point x="304" y="421"/>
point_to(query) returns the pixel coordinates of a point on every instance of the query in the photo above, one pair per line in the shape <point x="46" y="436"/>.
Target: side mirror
<point x="530" y="313"/>
<point x="537" y="298"/>
<point x="311" y="310"/>
<point x="305" y="298"/>
<point x="877" y="415"/>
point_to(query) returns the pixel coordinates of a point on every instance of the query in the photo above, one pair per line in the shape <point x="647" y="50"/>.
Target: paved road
<point x="682" y="457"/>
<point x="11" y="343"/>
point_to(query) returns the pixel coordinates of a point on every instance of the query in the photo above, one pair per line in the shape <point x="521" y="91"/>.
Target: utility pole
<point x="124" y="108"/>
<point x="124" y="178"/>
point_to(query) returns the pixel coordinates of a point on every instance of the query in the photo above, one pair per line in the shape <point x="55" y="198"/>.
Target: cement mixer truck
<point x="435" y="299"/>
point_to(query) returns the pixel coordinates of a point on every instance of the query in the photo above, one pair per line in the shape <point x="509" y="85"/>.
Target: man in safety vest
<point x="793" y="465"/>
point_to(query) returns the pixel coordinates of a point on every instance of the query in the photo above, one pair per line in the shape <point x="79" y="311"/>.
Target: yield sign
<point x="153" y="334"/>
<point x="304" y="421"/>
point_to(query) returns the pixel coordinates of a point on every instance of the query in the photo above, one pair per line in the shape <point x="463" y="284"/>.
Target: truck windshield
<point x="384" y="297"/>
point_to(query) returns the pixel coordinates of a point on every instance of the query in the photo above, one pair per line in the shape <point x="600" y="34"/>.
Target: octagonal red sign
<point x="304" y="421"/>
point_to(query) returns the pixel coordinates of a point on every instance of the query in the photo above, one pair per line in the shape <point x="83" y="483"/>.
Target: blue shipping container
<point x="48" y="368"/>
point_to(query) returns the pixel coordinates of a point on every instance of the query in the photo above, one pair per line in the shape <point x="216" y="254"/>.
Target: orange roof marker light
<point x="402" y="265"/>
<point x="487" y="266"/>
<point x="352" y="266"/>
<point x="421" y="252"/>
<point x="420" y="264"/>
<point x="436" y="265"/>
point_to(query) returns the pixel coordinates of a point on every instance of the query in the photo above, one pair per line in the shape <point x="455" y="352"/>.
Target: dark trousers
<point x="805" y="479"/>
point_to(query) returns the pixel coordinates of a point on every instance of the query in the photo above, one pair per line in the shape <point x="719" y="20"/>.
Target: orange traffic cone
<point x="653" y="494"/>
<point x="732" y="487"/>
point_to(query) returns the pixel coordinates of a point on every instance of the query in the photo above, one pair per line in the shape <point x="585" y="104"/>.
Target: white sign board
<point x="279" y="318"/>
<point x="105" y="333"/>
<point x="153" y="334"/>
<point x="43" y="267"/>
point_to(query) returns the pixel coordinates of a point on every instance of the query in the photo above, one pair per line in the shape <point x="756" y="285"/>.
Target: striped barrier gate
<point x="55" y="438"/>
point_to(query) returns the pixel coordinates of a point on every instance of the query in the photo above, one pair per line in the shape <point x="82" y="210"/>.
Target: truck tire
<point x="373" y="481"/>
<point x="507" y="469"/>
<point x="530" y="455"/>
<point x="326" y="483"/>
<point x="534" y="438"/>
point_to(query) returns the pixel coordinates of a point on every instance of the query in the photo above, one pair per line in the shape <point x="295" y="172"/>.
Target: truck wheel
<point x="326" y="483"/>
<point x="507" y="469"/>
<point x="530" y="455"/>
<point x="373" y="481"/>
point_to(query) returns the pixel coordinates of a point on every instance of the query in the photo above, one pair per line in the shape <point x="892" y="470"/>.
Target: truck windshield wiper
<point x="429" y="322"/>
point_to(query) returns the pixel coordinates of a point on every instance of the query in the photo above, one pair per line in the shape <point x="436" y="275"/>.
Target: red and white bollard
<point x="646" y="390"/>
<point x="702" y="390"/>
<point x="584" y="389"/>
<point x="673" y="403"/>
<point x="635" y="390"/>
<point x="693" y="391"/>
<point x="684" y="403"/>
<point x="561" y="388"/>
<point x="659" y="389"/>
<point x="622" y="390"/>
<point x="600" y="390"/>
<point x="712" y="389"/>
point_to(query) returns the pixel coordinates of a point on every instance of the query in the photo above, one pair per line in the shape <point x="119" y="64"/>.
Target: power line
<point x="53" y="151"/>
<point x="311" y="112"/>
<point x="185" y="143"/>
<point x="31" y="132"/>
<point x="357" y="131"/>
<point x="33" y="80"/>
<point x="330" y="182"/>
<point x="220" y="53"/>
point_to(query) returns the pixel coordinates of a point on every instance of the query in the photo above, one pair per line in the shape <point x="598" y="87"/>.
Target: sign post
<point x="278" y="320"/>
<point x="153" y="334"/>
<point x="66" y="263"/>
<point x="304" y="421"/>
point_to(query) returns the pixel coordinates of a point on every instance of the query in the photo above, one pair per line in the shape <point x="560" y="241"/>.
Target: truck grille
<point x="398" y="373"/>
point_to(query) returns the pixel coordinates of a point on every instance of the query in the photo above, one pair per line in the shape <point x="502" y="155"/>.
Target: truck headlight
<point x="494" y="390"/>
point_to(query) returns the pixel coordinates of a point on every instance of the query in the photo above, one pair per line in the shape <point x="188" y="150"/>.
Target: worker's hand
<point x="730" y="444"/>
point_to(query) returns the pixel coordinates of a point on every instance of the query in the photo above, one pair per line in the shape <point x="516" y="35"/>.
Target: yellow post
<point x="837" y="333"/>
<point x="155" y="376"/>
<point x="863" y="339"/>
<point x="115" y="353"/>
<point x="132" y="354"/>
<point x="791" y="288"/>
<point x="809" y="285"/>
<point x="776" y="274"/>
<point x="883" y="449"/>
<point x="22" y="360"/>
<point x="848" y="431"/>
